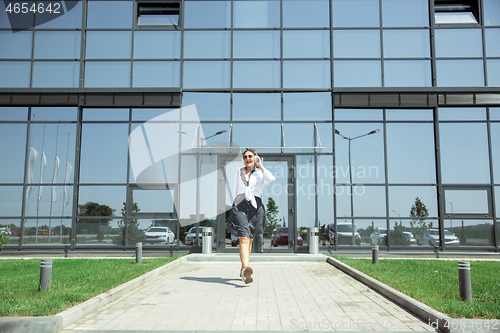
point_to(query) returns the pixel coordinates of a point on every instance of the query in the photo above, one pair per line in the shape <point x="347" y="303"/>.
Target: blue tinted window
<point x="256" y="44"/>
<point x="406" y="43"/>
<point x="209" y="106"/>
<point x="71" y="18"/>
<point x="306" y="74"/>
<point x="356" y="44"/>
<point x="459" y="43"/>
<point x="462" y="114"/>
<point x="256" y="74"/>
<point x="306" y="44"/>
<point x="12" y="161"/>
<point x="357" y="73"/>
<point x="156" y="74"/>
<point x="15" y="45"/>
<point x="110" y="14"/>
<point x="54" y="113"/>
<point x="492" y="42"/>
<point x="307" y="106"/>
<point x="15" y="74"/>
<point x="407" y="13"/>
<point x="493" y="72"/>
<point x="109" y="44"/>
<point x="207" y="74"/>
<point x="207" y="14"/>
<point x="407" y="73"/>
<point x="356" y="13"/>
<point x="491" y="10"/>
<point x="107" y="74"/>
<point x="57" y="44"/>
<point x="257" y="106"/>
<point x="207" y="44"/>
<point x="157" y="45"/>
<point x="13" y="113"/>
<point x="105" y="114"/>
<point x="256" y="14"/>
<point x="306" y="13"/>
<point x="56" y="74"/>
<point x="460" y="73"/>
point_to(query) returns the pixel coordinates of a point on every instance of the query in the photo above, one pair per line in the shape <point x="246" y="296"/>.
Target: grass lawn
<point x="73" y="281"/>
<point x="435" y="283"/>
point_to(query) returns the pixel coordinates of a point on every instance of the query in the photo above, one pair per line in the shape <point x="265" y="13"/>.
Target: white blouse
<point x="256" y="183"/>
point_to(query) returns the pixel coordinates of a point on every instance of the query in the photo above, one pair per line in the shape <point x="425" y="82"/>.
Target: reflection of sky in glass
<point x="410" y="153"/>
<point x="402" y="198"/>
<point x="464" y="153"/>
<point x="356" y="13"/>
<point x="367" y="153"/>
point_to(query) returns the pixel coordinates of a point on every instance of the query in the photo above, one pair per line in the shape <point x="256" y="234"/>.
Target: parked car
<point x="159" y="235"/>
<point x="191" y="234"/>
<point x="431" y="237"/>
<point x="5" y="231"/>
<point x="409" y="236"/>
<point x="376" y="237"/>
<point x="280" y="237"/>
<point x="344" y="234"/>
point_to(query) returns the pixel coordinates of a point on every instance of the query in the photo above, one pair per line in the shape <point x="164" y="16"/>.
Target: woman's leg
<point x="245" y="249"/>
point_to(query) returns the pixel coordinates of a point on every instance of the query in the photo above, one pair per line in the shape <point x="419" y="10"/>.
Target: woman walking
<point x="248" y="216"/>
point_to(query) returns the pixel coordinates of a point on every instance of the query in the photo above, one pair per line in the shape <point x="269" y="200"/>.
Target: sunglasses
<point x="247" y="156"/>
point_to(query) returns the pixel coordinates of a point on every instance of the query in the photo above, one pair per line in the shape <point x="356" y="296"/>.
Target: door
<point x="278" y="199"/>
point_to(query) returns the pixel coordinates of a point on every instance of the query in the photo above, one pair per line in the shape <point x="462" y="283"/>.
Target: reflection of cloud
<point x="155" y="152"/>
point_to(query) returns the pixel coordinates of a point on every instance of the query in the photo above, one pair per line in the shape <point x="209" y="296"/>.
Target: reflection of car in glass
<point x="159" y="235"/>
<point x="431" y="237"/>
<point x="190" y="236"/>
<point x="5" y="230"/>
<point x="344" y="234"/>
<point x="280" y="237"/>
<point x="377" y="235"/>
<point x="409" y="236"/>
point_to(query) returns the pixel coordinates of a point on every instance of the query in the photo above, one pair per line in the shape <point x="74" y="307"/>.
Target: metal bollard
<point x="206" y="241"/>
<point x="464" y="280"/>
<point x="45" y="274"/>
<point x="313" y="240"/>
<point x="375" y="254"/>
<point x="138" y="252"/>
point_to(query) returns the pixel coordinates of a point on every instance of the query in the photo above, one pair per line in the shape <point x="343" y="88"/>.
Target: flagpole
<point x="42" y="169"/>
<point x="64" y="192"/>
<point x="53" y="180"/>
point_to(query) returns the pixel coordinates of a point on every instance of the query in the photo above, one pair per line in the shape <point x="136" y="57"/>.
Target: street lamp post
<point x="350" y="172"/>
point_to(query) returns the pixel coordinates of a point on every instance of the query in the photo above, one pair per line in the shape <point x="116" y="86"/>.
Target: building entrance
<point x="279" y="200"/>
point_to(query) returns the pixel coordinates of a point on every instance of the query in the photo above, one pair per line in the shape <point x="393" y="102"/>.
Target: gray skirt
<point x="246" y="220"/>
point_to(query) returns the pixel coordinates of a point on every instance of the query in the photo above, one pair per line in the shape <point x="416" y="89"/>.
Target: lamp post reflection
<point x="199" y="143"/>
<point x="350" y="173"/>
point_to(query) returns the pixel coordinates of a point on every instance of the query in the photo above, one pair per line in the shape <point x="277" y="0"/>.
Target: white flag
<point x="66" y="180"/>
<point x="54" y="178"/>
<point x="33" y="154"/>
<point x="42" y="171"/>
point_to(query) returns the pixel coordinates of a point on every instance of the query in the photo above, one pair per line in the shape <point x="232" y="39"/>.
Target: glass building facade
<point x="378" y="116"/>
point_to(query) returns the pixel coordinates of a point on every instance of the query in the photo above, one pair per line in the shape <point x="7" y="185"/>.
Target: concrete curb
<point x="57" y="322"/>
<point x="435" y="318"/>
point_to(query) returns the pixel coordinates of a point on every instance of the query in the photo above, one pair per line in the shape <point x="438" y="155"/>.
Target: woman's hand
<point x="258" y="163"/>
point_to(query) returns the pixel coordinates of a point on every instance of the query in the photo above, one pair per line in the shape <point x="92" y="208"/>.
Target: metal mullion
<point x="492" y="179"/>
<point x="83" y="45"/>
<point x="76" y="176"/>
<point x="386" y="176"/>
<point x="181" y="60"/>
<point x="440" y="195"/>
<point x="382" y="68"/>
<point x="433" y="44"/>
<point x="26" y="161"/>
<point x="483" y="35"/>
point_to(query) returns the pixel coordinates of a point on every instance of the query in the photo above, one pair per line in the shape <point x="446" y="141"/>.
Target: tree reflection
<point x="418" y="225"/>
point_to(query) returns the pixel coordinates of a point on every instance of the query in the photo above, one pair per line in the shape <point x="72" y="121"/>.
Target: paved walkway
<point x="207" y="295"/>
